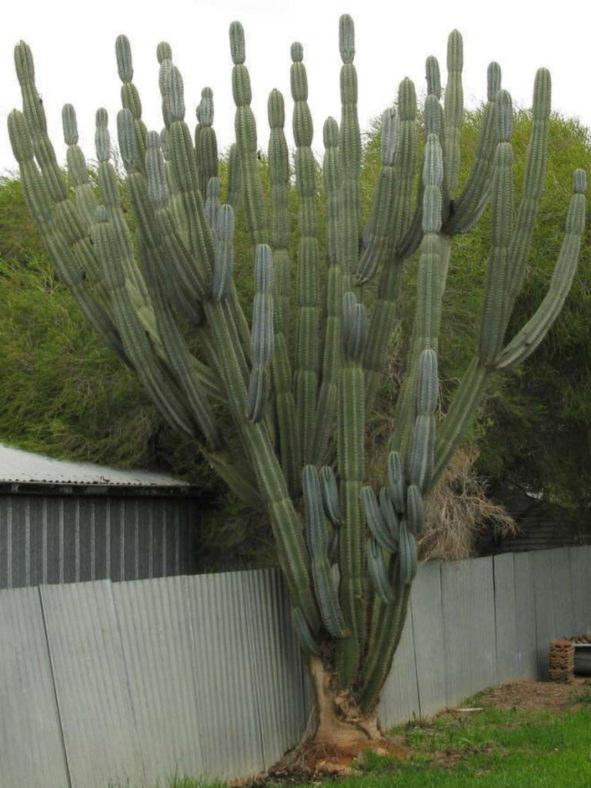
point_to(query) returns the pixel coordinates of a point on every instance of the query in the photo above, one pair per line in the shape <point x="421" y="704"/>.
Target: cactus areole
<point x="277" y="394"/>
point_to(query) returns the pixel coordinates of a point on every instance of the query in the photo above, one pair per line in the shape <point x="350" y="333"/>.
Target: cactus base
<point x="338" y="732"/>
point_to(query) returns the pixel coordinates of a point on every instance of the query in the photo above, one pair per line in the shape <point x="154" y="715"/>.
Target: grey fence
<point x="133" y="683"/>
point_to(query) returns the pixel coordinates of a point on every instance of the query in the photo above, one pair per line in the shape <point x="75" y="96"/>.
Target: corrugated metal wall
<point x="201" y="675"/>
<point x="66" y="539"/>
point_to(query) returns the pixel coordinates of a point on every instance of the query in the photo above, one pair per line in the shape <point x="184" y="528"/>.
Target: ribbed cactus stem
<point x="246" y="140"/>
<point x="350" y="151"/>
<point x="307" y="355"/>
<point x="453" y="111"/>
<point x="130" y="98"/>
<point x="351" y="468"/>
<point x="289" y="438"/>
<point x="379" y="241"/>
<point x="206" y="147"/>
<point x="262" y="336"/>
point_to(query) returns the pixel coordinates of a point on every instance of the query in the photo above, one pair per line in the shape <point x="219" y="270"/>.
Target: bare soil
<point x="537" y="695"/>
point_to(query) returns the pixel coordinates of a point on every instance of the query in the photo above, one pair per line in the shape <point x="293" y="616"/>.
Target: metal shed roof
<point x="23" y="467"/>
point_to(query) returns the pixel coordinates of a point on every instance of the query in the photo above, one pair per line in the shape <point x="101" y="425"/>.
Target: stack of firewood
<point x="562" y="660"/>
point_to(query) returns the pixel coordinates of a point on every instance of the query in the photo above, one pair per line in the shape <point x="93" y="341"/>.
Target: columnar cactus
<point x="292" y="442"/>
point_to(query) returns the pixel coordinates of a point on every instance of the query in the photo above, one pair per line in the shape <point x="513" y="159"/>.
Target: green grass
<point x="491" y="748"/>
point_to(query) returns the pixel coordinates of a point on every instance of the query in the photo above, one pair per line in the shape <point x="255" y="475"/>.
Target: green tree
<point x="280" y="413"/>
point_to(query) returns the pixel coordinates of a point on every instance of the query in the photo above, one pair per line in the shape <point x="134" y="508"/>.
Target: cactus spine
<point x="297" y="400"/>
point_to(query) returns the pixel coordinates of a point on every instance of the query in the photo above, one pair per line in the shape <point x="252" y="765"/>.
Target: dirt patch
<point x="537" y="695"/>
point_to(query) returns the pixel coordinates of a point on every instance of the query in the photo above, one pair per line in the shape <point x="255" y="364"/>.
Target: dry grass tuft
<point x="458" y="510"/>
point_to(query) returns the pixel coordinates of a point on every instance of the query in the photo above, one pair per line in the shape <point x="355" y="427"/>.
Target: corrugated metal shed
<point x="64" y="522"/>
<point x="23" y="467"/>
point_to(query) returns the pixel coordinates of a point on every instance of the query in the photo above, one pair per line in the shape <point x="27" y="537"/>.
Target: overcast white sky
<point x="73" y="46"/>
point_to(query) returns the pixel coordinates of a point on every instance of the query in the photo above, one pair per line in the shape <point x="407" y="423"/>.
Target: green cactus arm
<point x="60" y="251"/>
<point x="380" y="530"/>
<point x="330" y="495"/>
<point x="317" y="539"/>
<point x="237" y="477"/>
<point x="350" y="459"/>
<point x="206" y="146"/>
<point x="377" y="568"/>
<point x="332" y="357"/>
<point x="86" y="200"/>
<point x="453" y="113"/>
<point x="278" y="157"/>
<point x="234" y="196"/>
<point x="289" y="438"/>
<point x="185" y="178"/>
<point x="113" y="247"/>
<point x="350" y="152"/>
<point x="130" y="98"/>
<point x="459" y="415"/>
<point x="246" y="141"/>
<point x="474" y="198"/>
<point x="528" y="339"/>
<point x="384" y="312"/>
<point x="492" y="323"/>
<point x="212" y="206"/>
<point x="431" y="274"/>
<point x="387" y="623"/>
<point x="307" y="356"/>
<point x="300" y="625"/>
<point x="533" y="184"/>
<point x="262" y="334"/>
<point x="422" y="452"/>
<point x="381" y="223"/>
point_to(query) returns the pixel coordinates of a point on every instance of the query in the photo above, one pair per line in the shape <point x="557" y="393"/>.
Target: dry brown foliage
<point x="458" y="510"/>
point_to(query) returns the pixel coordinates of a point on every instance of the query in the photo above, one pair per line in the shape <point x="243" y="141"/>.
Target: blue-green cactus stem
<point x="534" y="331"/>
<point x="384" y="314"/>
<point x="380" y="529"/>
<point x="307" y="355"/>
<point x="61" y="252"/>
<point x="430" y="283"/>
<point x="533" y="184"/>
<point x="234" y="197"/>
<point x="262" y="333"/>
<point x="492" y="322"/>
<point x="453" y="110"/>
<point x="350" y="152"/>
<point x="246" y="140"/>
<point x="379" y="237"/>
<point x="473" y="200"/>
<point x="130" y="98"/>
<point x="332" y="358"/>
<point x="351" y="468"/>
<point x="387" y="624"/>
<point x="206" y="146"/>
<point x="317" y="538"/>
<point x="86" y="200"/>
<point x="377" y="568"/>
<point x="289" y="438"/>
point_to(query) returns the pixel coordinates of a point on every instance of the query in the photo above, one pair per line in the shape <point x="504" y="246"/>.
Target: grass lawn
<point x="527" y="734"/>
